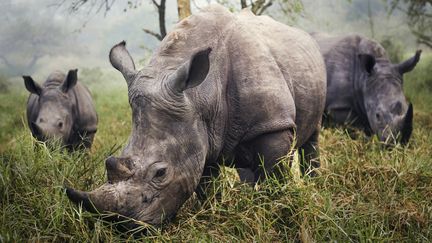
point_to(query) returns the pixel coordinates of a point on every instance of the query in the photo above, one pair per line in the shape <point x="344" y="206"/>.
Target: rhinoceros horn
<point x="80" y="197"/>
<point x="408" y="125"/>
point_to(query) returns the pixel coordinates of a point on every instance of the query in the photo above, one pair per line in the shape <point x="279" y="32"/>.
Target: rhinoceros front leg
<point x="262" y="154"/>
<point x="309" y="155"/>
<point x="246" y="175"/>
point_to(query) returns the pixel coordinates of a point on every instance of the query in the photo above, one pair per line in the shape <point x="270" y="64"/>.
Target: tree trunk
<point x="161" y="10"/>
<point x="162" y="29"/>
<point x="184" y="9"/>
<point x="371" y="23"/>
<point x="243" y="4"/>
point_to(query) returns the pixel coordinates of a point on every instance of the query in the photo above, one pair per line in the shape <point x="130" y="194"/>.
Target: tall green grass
<point x="364" y="193"/>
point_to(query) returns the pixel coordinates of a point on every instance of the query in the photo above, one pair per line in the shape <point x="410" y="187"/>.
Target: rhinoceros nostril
<point x="60" y="124"/>
<point x="378" y="116"/>
<point x="145" y="199"/>
<point x="397" y="108"/>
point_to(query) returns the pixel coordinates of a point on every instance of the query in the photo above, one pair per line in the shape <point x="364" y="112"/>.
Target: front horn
<point x="407" y="127"/>
<point x="79" y="197"/>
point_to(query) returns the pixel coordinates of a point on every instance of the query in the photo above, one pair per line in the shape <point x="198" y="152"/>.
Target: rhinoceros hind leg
<point x="309" y="155"/>
<point x="210" y="172"/>
<point x="260" y="156"/>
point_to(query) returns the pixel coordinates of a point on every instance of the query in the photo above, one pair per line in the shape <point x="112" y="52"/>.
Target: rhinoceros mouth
<point x="120" y="222"/>
<point x="390" y="138"/>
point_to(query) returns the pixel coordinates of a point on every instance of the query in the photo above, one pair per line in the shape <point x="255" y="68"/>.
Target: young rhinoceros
<point x="61" y="109"/>
<point x="219" y="85"/>
<point x="364" y="89"/>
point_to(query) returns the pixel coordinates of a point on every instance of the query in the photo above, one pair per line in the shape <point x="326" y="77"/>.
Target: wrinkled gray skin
<point x="364" y="89"/>
<point x="61" y="109"/>
<point x="219" y="86"/>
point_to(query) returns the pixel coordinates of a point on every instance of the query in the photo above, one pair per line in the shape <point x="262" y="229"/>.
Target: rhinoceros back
<point x="271" y="76"/>
<point x="290" y="66"/>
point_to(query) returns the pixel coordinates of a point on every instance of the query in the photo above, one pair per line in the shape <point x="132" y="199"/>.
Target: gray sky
<point x="36" y="28"/>
<point x="68" y="43"/>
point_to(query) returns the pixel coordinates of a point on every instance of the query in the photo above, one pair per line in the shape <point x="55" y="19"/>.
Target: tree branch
<point x="6" y="61"/>
<point x="161" y="11"/>
<point x="156" y="4"/>
<point x="263" y="8"/>
<point x="33" y="61"/>
<point x="419" y="18"/>
<point x="243" y="4"/>
<point x="423" y="39"/>
<point x="257" y="5"/>
<point x="95" y="6"/>
<point x="154" y="34"/>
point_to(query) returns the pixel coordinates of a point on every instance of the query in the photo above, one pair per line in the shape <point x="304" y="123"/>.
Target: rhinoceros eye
<point x="160" y="173"/>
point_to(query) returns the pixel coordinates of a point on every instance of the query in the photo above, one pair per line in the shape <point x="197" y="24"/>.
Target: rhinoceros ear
<point x="192" y="72"/>
<point x="367" y="62"/>
<point x="121" y="60"/>
<point x="408" y="65"/>
<point x="70" y="81"/>
<point x="32" y="86"/>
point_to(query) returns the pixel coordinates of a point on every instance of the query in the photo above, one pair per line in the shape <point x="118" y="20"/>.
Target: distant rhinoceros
<point x="219" y="86"/>
<point x="364" y="89"/>
<point x="61" y="109"/>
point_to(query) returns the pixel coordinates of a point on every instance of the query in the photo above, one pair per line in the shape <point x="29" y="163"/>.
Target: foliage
<point x="393" y="48"/>
<point x="419" y="83"/>
<point x="288" y="7"/>
<point x="3" y="84"/>
<point x="34" y="38"/>
<point x="258" y="7"/>
<point x="419" y="13"/>
<point x="364" y="193"/>
<point x="97" y="6"/>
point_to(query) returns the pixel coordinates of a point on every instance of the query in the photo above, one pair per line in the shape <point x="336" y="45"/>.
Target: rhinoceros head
<point x="389" y="114"/>
<point x="54" y="120"/>
<point x="162" y="163"/>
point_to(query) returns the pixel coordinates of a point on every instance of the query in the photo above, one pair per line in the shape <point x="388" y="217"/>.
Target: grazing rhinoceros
<point x="364" y="89"/>
<point x="61" y="109"/>
<point x="219" y="85"/>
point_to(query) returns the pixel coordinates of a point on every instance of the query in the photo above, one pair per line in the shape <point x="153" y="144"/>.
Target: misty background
<point x="40" y="36"/>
